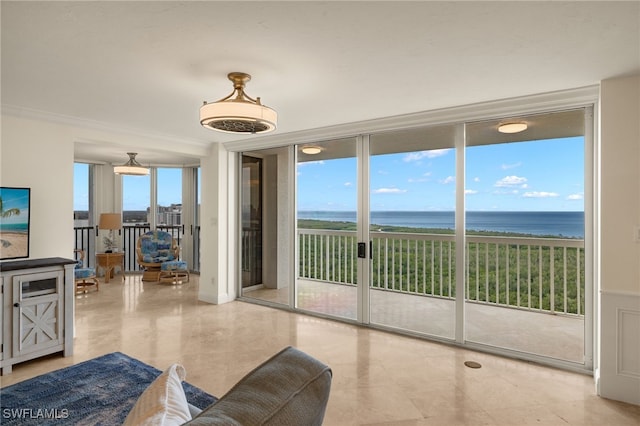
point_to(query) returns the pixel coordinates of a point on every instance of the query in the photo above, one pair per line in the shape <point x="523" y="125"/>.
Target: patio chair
<point x="84" y="277"/>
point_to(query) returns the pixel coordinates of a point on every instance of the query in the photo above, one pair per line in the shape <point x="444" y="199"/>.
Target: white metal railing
<point x="543" y="274"/>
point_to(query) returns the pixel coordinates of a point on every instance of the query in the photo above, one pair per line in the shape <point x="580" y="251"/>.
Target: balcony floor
<point x="555" y="336"/>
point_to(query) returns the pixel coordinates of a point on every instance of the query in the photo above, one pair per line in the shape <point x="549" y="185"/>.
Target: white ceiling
<point x="145" y="67"/>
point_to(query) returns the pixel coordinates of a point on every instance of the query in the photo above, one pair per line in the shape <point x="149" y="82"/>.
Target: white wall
<point x="38" y="152"/>
<point x="619" y="373"/>
<point x="39" y="155"/>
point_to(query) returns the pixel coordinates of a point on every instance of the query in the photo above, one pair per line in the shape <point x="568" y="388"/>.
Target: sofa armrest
<point x="290" y="388"/>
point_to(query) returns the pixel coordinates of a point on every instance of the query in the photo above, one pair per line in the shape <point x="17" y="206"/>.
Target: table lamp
<point x="110" y="221"/>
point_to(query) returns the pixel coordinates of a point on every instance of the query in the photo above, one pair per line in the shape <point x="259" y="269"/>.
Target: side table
<point x="108" y="262"/>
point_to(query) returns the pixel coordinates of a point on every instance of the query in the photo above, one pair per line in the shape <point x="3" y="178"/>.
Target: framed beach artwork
<point x="14" y="222"/>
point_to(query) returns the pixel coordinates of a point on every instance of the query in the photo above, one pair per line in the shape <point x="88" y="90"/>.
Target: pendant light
<point x="131" y="167"/>
<point x="239" y="114"/>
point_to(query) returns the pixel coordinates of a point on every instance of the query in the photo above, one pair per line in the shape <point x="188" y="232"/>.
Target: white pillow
<point x="163" y="402"/>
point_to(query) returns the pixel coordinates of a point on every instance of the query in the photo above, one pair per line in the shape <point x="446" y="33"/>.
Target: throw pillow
<point x="163" y="402"/>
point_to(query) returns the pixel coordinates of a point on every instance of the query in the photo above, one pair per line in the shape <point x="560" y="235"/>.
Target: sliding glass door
<point x="327" y="238"/>
<point x="525" y="232"/>
<point x="412" y="230"/>
<point x="454" y="231"/>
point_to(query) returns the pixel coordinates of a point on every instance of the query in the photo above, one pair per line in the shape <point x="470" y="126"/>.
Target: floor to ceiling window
<point x="525" y="231"/>
<point x="169" y="198"/>
<point x="327" y="210"/>
<point x="412" y="229"/>
<point x="454" y="231"/>
<point x="83" y="211"/>
<point x="136" y="200"/>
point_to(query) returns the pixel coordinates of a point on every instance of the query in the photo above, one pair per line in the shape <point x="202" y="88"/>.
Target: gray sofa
<point x="290" y="388"/>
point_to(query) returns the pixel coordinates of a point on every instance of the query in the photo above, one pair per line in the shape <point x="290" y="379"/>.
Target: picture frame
<point x="15" y="208"/>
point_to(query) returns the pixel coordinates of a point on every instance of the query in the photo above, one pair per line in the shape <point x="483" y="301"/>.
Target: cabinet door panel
<point x="37" y="312"/>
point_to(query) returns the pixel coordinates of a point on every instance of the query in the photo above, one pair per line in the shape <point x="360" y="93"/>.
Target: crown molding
<point x="550" y="101"/>
<point x="38" y="115"/>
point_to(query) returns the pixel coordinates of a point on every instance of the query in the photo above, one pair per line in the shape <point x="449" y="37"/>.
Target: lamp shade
<point x="110" y="221"/>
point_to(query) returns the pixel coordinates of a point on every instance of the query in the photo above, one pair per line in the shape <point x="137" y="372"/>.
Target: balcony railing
<point x="85" y="238"/>
<point x="542" y="274"/>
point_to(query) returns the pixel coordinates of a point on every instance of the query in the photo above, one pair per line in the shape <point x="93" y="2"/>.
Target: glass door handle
<point x="362" y="250"/>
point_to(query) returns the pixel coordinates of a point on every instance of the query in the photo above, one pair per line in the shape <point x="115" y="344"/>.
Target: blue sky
<point x="15" y="199"/>
<point x="525" y="176"/>
<point x="136" y="189"/>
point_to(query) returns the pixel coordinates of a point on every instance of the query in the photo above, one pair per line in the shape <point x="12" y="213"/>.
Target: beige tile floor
<point x="379" y="378"/>
<point x="556" y="336"/>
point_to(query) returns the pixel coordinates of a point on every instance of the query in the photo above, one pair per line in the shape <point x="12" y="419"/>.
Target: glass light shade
<point x="247" y="115"/>
<point x="512" y="127"/>
<point x="311" y="150"/>
<point x="131" y="167"/>
<point x="131" y="170"/>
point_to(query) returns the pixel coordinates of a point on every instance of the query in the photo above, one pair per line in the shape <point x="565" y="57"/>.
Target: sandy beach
<point x="13" y="244"/>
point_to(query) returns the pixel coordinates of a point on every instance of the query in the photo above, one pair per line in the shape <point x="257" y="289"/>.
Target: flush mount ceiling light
<point x="239" y="114"/>
<point x="131" y="167"/>
<point x="311" y="149"/>
<point x="512" y="127"/>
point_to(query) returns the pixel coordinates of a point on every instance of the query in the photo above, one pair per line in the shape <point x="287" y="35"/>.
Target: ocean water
<point x="565" y="224"/>
<point x="14" y="227"/>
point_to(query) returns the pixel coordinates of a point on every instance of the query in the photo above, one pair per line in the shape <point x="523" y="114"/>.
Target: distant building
<point x="171" y="215"/>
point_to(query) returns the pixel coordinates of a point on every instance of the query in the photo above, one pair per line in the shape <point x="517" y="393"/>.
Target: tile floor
<point x="555" y="336"/>
<point x="379" y="378"/>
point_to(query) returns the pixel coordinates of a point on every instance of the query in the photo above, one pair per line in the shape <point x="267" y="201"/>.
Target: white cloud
<point x="309" y="163"/>
<point x="448" y="179"/>
<point x="511" y="166"/>
<point x="476" y="179"/>
<point x="540" y="194"/>
<point x="412" y="180"/>
<point x="417" y="156"/>
<point x="470" y="191"/>
<point x="509" y="181"/>
<point x="348" y="184"/>
<point x="389" y="191"/>
<point x="574" y="197"/>
<point x="506" y="192"/>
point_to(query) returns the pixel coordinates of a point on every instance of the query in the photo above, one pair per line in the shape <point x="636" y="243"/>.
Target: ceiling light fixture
<point x="131" y="167"/>
<point x="512" y="127"/>
<point x="311" y="150"/>
<point x="239" y="114"/>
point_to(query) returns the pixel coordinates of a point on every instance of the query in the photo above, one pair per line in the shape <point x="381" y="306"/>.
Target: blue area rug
<point x="100" y="391"/>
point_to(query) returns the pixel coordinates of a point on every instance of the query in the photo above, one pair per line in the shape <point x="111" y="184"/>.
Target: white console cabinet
<point x="36" y="310"/>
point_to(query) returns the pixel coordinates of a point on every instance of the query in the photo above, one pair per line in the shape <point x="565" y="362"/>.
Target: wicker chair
<point x="152" y="249"/>
<point x="84" y="277"/>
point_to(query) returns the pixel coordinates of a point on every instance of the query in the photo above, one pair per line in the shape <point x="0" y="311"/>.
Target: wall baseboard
<point x="619" y="377"/>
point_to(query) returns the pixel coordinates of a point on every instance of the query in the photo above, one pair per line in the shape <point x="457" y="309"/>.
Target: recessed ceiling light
<point x="512" y="127"/>
<point x="311" y="150"/>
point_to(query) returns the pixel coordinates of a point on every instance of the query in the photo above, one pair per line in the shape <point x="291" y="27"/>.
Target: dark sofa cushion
<point x="290" y="388"/>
